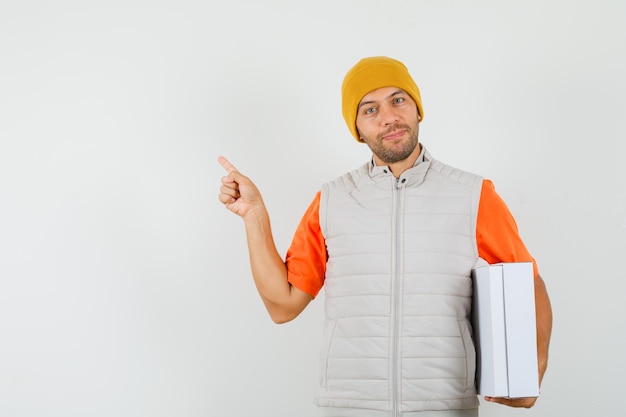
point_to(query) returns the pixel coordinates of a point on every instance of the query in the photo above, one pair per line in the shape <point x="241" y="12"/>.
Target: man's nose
<point x="388" y="116"/>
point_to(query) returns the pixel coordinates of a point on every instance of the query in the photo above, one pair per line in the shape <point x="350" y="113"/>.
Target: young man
<point x="393" y="243"/>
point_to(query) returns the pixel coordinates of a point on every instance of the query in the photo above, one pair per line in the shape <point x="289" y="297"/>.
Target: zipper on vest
<point x="399" y="192"/>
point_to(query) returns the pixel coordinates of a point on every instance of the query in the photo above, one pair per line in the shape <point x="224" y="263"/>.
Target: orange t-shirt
<point x="497" y="238"/>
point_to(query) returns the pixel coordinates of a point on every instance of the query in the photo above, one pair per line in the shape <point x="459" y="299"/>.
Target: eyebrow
<point x="398" y="91"/>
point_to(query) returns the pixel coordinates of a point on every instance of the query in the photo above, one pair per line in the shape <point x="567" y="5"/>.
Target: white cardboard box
<point x="505" y="332"/>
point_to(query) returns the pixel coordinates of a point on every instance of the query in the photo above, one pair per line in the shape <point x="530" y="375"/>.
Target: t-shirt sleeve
<point x="306" y="257"/>
<point x="497" y="235"/>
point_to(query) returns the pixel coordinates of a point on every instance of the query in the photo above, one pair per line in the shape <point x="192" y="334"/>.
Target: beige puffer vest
<point x="397" y="337"/>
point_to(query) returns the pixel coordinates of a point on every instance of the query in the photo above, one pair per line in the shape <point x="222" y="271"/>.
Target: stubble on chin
<point x="394" y="153"/>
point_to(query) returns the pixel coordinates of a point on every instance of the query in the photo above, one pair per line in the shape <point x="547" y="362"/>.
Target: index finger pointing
<point x="226" y="164"/>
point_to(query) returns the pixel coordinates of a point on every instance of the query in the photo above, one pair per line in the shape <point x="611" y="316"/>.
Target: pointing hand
<point x="238" y="193"/>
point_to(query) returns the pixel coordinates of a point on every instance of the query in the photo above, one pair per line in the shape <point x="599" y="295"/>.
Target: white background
<point x="124" y="284"/>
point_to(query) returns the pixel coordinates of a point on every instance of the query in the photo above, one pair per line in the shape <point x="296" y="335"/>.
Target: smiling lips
<point x="394" y="134"/>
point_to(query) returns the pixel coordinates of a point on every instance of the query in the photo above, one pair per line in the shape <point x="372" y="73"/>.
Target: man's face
<point x="388" y="122"/>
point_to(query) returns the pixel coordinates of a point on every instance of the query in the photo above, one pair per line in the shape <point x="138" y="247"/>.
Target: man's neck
<point x="397" y="168"/>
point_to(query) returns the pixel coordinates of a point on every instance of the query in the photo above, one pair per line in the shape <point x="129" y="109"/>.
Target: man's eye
<point x="370" y="110"/>
<point x="398" y="100"/>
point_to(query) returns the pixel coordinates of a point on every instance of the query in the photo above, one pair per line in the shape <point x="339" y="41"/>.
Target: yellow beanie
<point x="370" y="74"/>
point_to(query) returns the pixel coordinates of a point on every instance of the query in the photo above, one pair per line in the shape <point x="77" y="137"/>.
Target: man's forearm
<point x="544" y="324"/>
<point x="281" y="300"/>
<point x="268" y="268"/>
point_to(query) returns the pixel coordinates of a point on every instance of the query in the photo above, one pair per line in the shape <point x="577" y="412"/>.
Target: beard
<point x="394" y="152"/>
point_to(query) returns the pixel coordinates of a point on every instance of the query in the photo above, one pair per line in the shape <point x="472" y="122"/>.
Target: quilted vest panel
<point x="397" y="336"/>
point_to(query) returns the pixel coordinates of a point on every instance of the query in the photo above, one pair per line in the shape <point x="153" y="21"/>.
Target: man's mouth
<point x="398" y="133"/>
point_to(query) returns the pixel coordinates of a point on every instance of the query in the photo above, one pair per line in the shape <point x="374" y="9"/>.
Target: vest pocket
<point x="470" y="353"/>
<point x="327" y="337"/>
